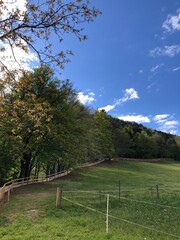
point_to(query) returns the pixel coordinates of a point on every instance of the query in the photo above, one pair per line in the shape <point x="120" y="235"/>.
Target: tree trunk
<point x="37" y="169"/>
<point x="22" y="171"/>
<point x="47" y="170"/>
<point x="25" y="166"/>
<point x="60" y="167"/>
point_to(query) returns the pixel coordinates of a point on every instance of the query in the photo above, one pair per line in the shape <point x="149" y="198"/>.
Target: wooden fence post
<point x="3" y="196"/>
<point x="57" y="197"/>
<point x="119" y="190"/>
<point x="9" y="194"/>
<point x="100" y="195"/>
<point x="12" y="185"/>
<point x="157" y="190"/>
<point x="107" y="215"/>
<point x="61" y="192"/>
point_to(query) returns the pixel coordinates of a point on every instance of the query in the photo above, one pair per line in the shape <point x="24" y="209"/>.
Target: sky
<point x="130" y="64"/>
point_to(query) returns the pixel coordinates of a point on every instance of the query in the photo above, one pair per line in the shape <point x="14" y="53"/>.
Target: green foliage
<point x="43" y="127"/>
<point x="177" y="148"/>
<point x="36" y="119"/>
<point x="136" y="141"/>
<point x="104" y="133"/>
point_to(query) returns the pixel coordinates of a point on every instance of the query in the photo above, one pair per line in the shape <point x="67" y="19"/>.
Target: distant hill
<point x="135" y="140"/>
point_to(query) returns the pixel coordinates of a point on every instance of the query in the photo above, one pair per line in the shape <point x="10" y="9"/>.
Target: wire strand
<point x="121" y="219"/>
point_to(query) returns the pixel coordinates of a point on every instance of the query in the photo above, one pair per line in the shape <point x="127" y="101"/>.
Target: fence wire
<point x="122" y="219"/>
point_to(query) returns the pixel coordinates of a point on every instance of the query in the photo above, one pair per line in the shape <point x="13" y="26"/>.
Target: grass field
<point x="140" y="213"/>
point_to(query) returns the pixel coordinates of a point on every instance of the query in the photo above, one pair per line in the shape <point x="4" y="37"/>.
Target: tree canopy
<point x="24" y="23"/>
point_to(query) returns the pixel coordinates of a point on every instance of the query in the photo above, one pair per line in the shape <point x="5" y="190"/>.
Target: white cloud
<point x="151" y="85"/>
<point x="107" y="108"/>
<point x="155" y="68"/>
<point x="176" y="69"/>
<point x="171" y="123"/>
<point x="86" y="98"/>
<point x="167" y="123"/>
<point x="161" y="118"/>
<point x="170" y="127"/>
<point x="129" y="94"/>
<point x="172" y="23"/>
<point x="169" y="51"/>
<point x="92" y="94"/>
<point x="9" y="6"/>
<point x="15" y="58"/>
<point x="135" y="118"/>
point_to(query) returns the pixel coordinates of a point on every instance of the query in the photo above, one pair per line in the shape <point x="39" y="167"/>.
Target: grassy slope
<point x="31" y="214"/>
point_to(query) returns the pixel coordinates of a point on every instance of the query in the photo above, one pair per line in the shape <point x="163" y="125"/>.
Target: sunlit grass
<point x="32" y="214"/>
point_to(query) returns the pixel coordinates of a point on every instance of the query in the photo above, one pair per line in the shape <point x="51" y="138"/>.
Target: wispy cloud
<point x="151" y="85"/>
<point x="172" y="23"/>
<point x="169" y="51"/>
<point x="129" y="94"/>
<point x="161" y="118"/>
<point x="164" y="122"/>
<point x="167" y="123"/>
<point x="86" y="98"/>
<point x="176" y="69"/>
<point x="170" y="127"/>
<point x="135" y="118"/>
<point x="155" y="68"/>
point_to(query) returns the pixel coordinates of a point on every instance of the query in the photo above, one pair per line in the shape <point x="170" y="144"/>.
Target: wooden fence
<point x="146" y="159"/>
<point x="9" y="186"/>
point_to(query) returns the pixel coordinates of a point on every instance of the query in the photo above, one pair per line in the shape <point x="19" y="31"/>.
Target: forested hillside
<point x="43" y="127"/>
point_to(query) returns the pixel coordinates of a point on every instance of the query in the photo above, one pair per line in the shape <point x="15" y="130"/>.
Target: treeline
<point x="43" y="127"/>
<point x="136" y="141"/>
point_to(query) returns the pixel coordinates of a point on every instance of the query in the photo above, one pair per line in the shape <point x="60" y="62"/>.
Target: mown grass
<point x="31" y="213"/>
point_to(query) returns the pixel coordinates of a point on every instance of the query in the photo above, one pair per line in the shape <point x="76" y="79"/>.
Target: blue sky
<point x="130" y="64"/>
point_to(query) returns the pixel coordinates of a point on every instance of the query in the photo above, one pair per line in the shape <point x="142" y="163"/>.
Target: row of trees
<point x="44" y="127"/>
<point x="136" y="141"/>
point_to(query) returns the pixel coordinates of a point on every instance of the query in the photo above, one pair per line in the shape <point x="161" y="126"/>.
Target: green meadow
<point x="144" y="203"/>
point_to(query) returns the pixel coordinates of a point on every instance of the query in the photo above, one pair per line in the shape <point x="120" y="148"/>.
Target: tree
<point x="35" y="117"/>
<point x="177" y="151"/>
<point x="8" y="167"/>
<point x="86" y="135"/>
<point x="23" y="24"/>
<point x="121" y="138"/>
<point x="103" y="131"/>
<point x="145" y="145"/>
